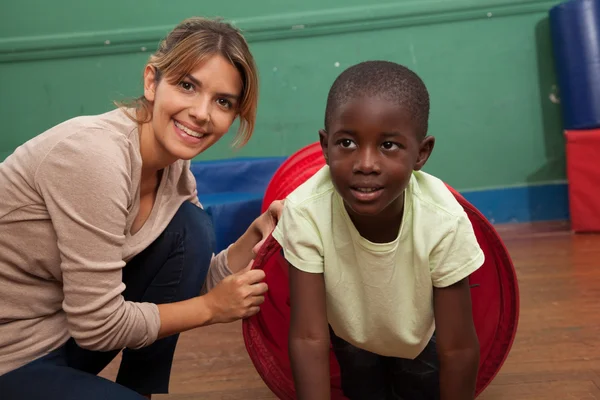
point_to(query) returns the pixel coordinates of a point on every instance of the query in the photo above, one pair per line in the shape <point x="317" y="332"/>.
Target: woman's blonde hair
<point x="193" y="41"/>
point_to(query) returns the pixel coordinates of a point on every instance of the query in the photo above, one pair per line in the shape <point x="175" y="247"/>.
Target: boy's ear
<point x="425" y="149"/>
<point x="323" y="139"/>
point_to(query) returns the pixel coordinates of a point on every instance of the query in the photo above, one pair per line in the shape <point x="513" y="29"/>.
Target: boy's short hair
<point x="384" y="79"/>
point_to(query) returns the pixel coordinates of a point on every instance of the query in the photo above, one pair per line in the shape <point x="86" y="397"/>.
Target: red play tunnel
<point x="494" y="293"/>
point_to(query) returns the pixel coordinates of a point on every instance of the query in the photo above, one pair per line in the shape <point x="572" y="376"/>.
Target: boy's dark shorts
<point x="369" y="376"/>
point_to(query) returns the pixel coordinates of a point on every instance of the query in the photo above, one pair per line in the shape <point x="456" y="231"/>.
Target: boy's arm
<point x="309" y="335"/>
<point x="457" y="343"/>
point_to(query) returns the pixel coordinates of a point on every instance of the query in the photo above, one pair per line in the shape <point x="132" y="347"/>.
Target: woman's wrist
<point x="184" y="315"/>
<point x="205" y="309"/>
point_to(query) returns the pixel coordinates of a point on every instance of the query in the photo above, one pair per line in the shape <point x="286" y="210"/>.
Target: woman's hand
<point x="237" y="296"/>
<point x="267" y="221"/>
<point x="243" y="251"/>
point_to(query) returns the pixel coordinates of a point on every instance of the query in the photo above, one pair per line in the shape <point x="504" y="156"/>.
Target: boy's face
<point x="372" y="147"/>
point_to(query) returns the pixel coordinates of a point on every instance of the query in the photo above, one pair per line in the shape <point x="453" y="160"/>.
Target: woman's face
<point x="190" y="116"/>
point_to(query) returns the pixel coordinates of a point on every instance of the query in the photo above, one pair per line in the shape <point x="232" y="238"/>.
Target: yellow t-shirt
<point x="380" y="295"/>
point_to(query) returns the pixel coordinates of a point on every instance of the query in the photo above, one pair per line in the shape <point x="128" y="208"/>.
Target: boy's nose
<point x="367" y="162"/>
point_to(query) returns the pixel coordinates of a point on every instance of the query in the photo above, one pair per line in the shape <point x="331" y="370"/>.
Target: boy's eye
<point x="346" y="143"/>
<point x="186" y="86"/>
<point x="389" y="145"/>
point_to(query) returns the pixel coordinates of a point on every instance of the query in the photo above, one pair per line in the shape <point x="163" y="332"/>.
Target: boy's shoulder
<point x="433" y="196"/>
<point x="312" y="192"/>
<point x="304" y="221"/>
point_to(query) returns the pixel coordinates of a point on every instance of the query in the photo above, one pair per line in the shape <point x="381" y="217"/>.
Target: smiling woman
<point x="104" y="244"/>
<point x="213" y="68"/>
<point x="189" y="116"/>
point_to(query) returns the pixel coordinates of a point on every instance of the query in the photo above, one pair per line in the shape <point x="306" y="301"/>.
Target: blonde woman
<point x="103" y="243"/>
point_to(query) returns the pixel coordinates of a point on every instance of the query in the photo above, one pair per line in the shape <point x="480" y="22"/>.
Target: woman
<point x="104" y="245"/>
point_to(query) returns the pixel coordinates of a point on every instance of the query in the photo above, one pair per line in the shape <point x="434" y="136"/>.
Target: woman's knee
<point x="195" y="225"/>
<point x="175" y="265"/>
<point x="197" y="243"/>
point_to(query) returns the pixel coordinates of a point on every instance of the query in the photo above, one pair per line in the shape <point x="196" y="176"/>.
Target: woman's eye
<point x="225" y="103"/>
<point x="186" y="86"/>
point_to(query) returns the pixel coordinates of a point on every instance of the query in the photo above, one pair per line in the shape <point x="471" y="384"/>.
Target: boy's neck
<point x="382" y="228"/>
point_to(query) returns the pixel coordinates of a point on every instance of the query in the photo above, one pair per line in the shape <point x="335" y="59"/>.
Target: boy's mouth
<point x="366" y="193"/>
<point x="365" y="189"/>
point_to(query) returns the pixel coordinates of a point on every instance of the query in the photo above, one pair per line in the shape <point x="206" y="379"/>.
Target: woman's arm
<point x="86" y="193"/>
<point x="457" y="342"/>
<point x="238" y="256"/>
<point x="243" y="251"/>
<point x="309" y="335"/>
<point x="85" y="183"/>
<point x="235" y="297"/>
<point x="233" y="291"/>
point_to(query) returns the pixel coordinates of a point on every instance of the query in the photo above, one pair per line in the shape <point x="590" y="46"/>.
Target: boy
<point x="380" y="252"/>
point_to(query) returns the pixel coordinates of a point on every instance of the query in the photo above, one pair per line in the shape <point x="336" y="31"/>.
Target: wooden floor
<point x="556" y="354"/>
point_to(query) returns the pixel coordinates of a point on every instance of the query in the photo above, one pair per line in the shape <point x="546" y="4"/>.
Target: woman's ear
<point x="150" y="82"/>
<point x="425" y="149"/>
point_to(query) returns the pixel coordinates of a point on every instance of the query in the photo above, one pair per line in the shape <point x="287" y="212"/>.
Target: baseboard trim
<point x="540" y="202"/>
<point x="547" y="201"/>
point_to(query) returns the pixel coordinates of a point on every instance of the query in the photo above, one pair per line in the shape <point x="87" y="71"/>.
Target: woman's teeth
<point x="188" y="130"/>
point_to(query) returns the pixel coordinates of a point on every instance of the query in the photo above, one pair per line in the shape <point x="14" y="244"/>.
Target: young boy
<point x="380" y="252"/>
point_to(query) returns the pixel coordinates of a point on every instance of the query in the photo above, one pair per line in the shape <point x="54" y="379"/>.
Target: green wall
<point x="487" y="64"/>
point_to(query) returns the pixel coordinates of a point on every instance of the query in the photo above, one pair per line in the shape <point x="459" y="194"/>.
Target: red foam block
<point x="583" y="173"/>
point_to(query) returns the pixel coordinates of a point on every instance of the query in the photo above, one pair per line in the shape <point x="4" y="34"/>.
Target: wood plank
<point x="556" y="354"/>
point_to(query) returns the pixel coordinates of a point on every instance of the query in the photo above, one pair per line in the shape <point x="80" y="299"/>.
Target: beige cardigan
<point x="68" y="198"/>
